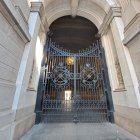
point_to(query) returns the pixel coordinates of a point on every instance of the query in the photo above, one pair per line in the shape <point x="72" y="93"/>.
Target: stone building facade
<point x="23" y="31"/>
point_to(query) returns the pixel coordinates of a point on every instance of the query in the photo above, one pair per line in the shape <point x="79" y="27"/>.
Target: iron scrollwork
<point x="60" y="75"/>
<point x="89" y="76"/>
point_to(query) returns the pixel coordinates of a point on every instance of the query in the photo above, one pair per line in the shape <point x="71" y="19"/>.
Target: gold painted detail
<point x="70" y="61"/>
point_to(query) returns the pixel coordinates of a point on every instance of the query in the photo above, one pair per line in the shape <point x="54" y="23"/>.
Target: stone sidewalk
<point x="80" y="131"/>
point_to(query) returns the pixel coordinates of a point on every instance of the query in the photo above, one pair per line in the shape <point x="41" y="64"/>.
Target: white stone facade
<point x="23" y="28"/>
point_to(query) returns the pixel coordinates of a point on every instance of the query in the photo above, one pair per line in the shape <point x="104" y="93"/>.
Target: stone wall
<point x="21" y="42"/>
<point x="135" y="54"/>
<point x="128" y="115"/>
<point x="23" y="7"/>
<point x="11" y="51"/>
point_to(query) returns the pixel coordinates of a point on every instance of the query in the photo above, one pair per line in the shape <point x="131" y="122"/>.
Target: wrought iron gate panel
<point x="80" y="75"/>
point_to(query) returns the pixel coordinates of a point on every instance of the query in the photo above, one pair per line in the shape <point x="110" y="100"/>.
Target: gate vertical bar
<point x="74" y="74"/>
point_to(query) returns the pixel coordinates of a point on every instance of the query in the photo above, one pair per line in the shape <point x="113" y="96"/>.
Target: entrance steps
<point x="79" y="131"/>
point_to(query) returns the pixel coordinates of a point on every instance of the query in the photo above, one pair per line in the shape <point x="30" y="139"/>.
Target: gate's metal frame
<point x="91" y="99"/>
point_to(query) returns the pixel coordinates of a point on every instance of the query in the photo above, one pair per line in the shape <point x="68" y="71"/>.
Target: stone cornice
<point x="113" y="12"/>
<point x="132" y="22"/>
<point x="132" y="29"/>
<point x="39" y="7"/>
<point x="15" y="20"/>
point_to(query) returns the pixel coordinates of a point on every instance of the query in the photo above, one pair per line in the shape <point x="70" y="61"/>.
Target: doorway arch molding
<point x="104" y="4"/>
<point x="90" y="16"/>
<point x="93" y="10"/>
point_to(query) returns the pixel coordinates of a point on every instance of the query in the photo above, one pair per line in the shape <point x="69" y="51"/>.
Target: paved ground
<point x="81" y="131"/>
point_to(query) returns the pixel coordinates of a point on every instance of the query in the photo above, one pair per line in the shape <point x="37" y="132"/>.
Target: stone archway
<point x="93" y="10"/>
<point x="24" y="35"/>
<point x="111" y="28"/>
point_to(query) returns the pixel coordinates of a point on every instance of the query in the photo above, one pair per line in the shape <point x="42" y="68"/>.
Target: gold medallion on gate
<point x="70" y="61"/>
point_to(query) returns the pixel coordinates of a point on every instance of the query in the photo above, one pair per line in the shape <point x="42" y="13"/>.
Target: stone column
<point x="127" y="104"/>
<point x="126" y="101"/>
<point x="126" y="65"/>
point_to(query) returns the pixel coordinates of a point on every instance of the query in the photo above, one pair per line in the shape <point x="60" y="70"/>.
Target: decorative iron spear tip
<point x="49" y="33"/>
<point x="97" y="36"/>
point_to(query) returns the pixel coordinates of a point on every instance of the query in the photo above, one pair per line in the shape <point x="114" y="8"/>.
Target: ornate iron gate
<point x="74" y="85"/>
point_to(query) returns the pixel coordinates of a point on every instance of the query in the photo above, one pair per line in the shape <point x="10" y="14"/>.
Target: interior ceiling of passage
<point x="73" y="33"/>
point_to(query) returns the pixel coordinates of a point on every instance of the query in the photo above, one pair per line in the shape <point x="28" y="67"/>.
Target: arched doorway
<point x="74" y="85"/>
